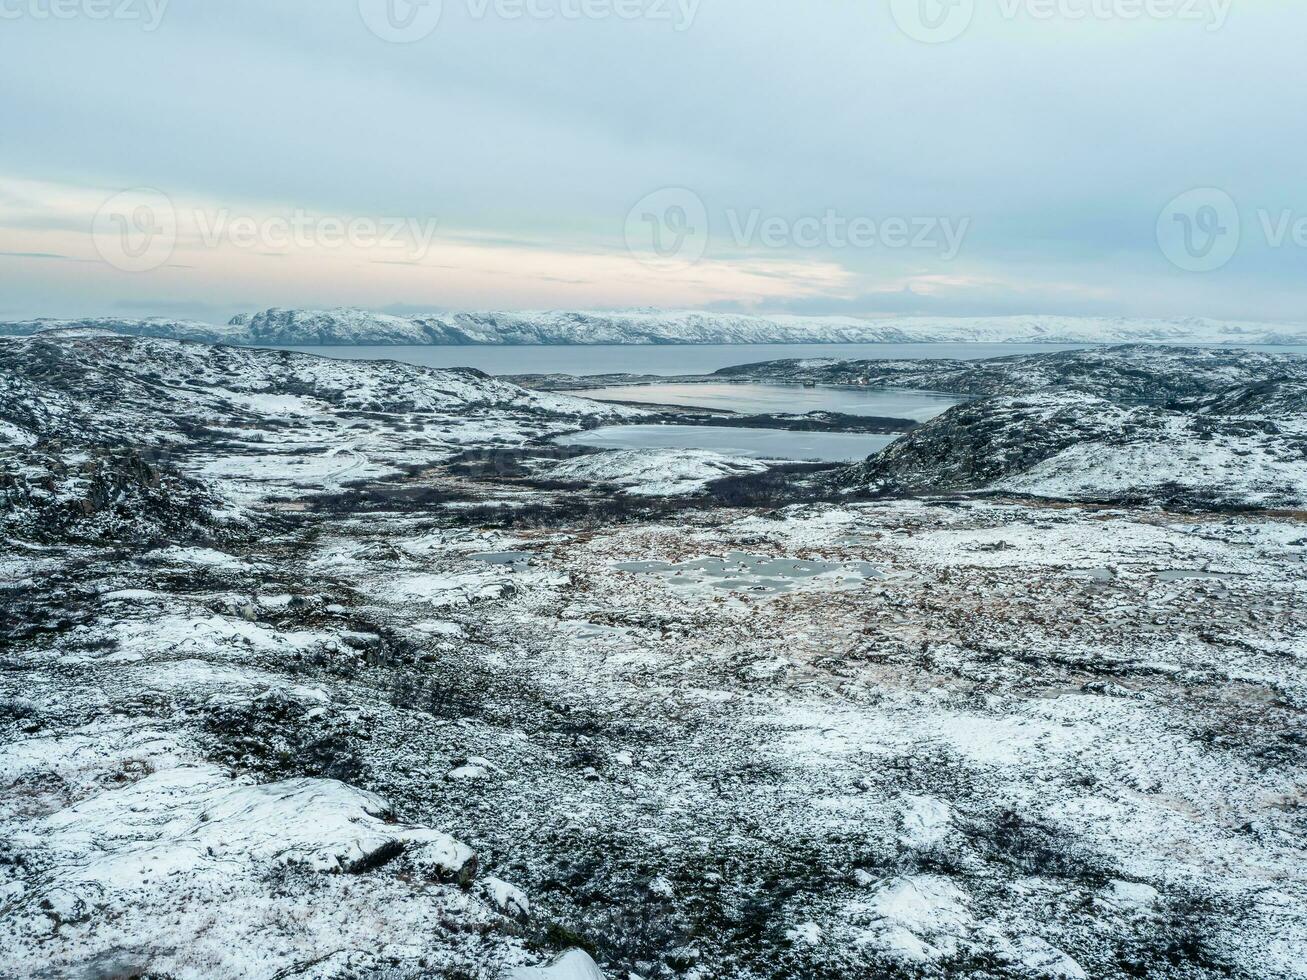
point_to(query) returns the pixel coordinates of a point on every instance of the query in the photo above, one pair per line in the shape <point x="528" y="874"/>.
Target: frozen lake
<point x="752" y="398"/>
<point x="826" y="447"/>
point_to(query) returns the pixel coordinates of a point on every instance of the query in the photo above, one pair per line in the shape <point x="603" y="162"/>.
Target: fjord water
<point x="665" y="360"/>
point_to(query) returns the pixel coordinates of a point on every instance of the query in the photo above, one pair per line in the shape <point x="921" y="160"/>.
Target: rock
<point x="1132" y="895"/>
<point x="661" y="887"/>
<point x="472" y="768"/>
<point x="64" y="907"/>
<point x="439" y="857"/>
<point x="919" y="918"/>
<point x="572" y="965"/>
<point x="681" y="958"/>
<point x="466" y="773"/>
<point x="925" y="822"/>
<point x="1036" y="958"/>
<point x="806" y="934"/>
<point x="317" y="824"/>
<point x="509" y="899"/>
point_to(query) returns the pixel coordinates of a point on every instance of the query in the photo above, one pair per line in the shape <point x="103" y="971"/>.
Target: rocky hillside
<point x="163" y="327"/>
<point x="1185" y="427"/>
<point x="1129" y="374"/>
<point x="297" y="327"/>
<point x="134" y="389"/>
<point x="89" y="421"/>
<point x="454" y="723"/>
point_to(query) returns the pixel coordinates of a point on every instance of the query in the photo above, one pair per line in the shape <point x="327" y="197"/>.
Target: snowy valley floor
<point x="1022" y="751"/>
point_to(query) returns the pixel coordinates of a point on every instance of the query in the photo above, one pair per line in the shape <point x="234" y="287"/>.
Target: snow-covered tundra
<point x="296" y="683"/>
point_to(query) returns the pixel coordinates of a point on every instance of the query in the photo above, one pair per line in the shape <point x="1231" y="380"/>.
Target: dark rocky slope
<point x="1138" y="374"/>
<point x="1193" y="428"/>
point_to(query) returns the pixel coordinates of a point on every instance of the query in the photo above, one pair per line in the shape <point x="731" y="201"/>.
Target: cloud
<point x="43" y="255"/>
<point x="961" y="300"/>
<point x="168" y="307"/>
<point x="529" y="141"/>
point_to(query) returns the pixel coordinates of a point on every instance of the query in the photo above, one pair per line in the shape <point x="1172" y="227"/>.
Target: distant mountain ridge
<point x="158" y="327"/>
<point x="349" y="327"/>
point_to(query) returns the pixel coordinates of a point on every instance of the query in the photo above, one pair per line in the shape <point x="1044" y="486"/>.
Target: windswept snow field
<point x="344" y="669"/>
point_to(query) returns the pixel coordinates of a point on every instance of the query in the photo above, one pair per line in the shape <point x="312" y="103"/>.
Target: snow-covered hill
<point x="161" y="327"/>
<point x="292" y="327"/>
<point x="248" y="422"/>
<point x="989" y="737"/>
<point x="1134" y="374"/>
<point x="1185" y="427"/>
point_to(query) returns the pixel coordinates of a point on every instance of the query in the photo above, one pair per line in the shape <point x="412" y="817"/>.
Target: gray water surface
<point x="674" y="359"/>
<point x="826" y="447"/>
<point x="667" y="360"/>
<point x="749" y="398"/>
<point x="739" y="571"/>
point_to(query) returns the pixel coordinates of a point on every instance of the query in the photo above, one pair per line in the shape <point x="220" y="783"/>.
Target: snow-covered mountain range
<point x="295" y="327"/>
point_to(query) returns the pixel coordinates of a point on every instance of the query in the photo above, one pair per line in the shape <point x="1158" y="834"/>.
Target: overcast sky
<point x="1134" y="157"/>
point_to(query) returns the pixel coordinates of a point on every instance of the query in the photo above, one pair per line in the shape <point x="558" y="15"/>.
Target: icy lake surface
<point x="742" y="572"/>
<point x="827" y="447"/>
<point x="772" y="398"/>
<point x="671" y="359"/>
<point x="660" y="359"/>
